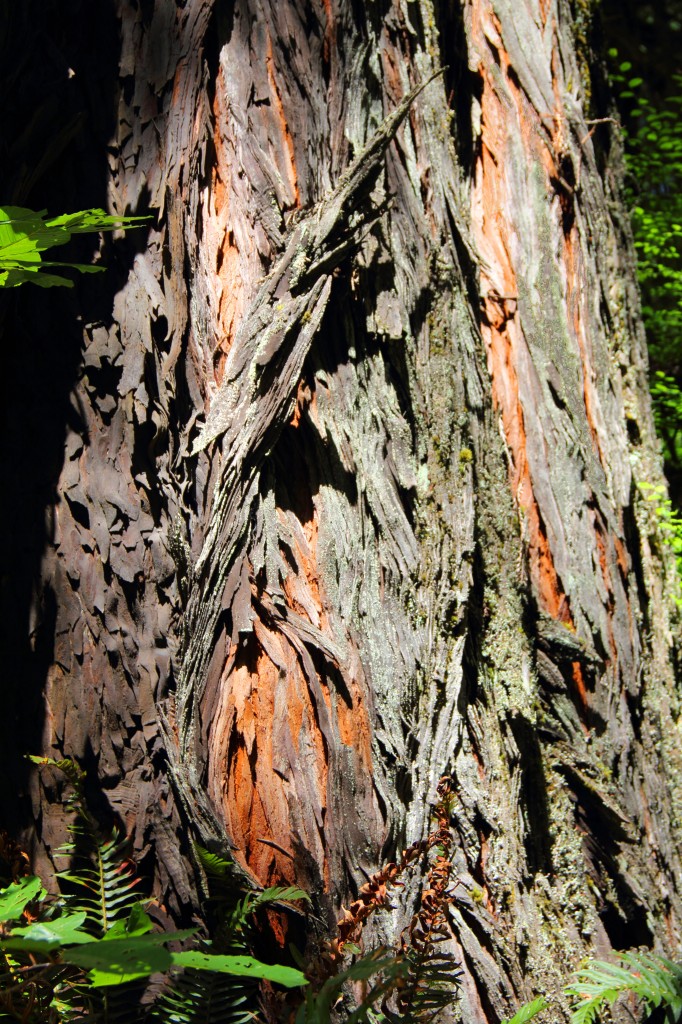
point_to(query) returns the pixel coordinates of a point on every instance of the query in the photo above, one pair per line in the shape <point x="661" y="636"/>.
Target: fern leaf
<point x="213" y="864"/>
<point x="279" y="894"/>
<point x="528" y="1011"/>
<point x="107" y="886"/>
<point x="87" y="221"/>
<point x="317" y="1006"/>
<point x="431" y="985"/>
<point x="654" y="979"/>
<point x="237" y="919"/>
<point x="196" y="997"/>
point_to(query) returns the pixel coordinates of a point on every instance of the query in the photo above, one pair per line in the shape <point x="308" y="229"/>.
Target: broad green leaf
<point x="83" y="268"/>
<point x="242" y="966"/>
<point x="44" y="936"/>
<point x="138" y="923"/>
<point x="116" y="961"/>
<point x="24" y="234"/>
<point x="13" y="278"/>
<point x="18" y="895"/>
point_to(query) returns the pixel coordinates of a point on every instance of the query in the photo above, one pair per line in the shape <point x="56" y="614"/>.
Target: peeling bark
<point x="346" y="474"/>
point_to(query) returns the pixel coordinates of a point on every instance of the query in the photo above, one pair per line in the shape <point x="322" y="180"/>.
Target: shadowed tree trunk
<point x="343" y="473"/>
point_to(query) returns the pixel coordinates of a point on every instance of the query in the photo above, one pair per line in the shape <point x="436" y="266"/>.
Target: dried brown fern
<point x="431" y="980"/>
<point x="422" y="977"/>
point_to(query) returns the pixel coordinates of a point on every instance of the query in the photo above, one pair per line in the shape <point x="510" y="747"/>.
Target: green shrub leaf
<point x="24" y="234"/>
<point x="138" y="923"/>
<point x="242" y="966"/>
<point x="17" y="896"/>
<point x="117" y="961"/>
<point x="44" y="936"/>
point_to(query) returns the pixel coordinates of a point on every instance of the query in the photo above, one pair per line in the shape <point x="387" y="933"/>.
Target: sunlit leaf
<point x="17" y="896"/>
<point x="44" y="936"/>
<point x="117" y="961"/>
<point x="25" y="234"/>
<point x="242" y="966"/>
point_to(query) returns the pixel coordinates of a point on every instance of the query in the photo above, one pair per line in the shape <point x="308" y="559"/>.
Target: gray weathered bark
<point x="357" y="494"/>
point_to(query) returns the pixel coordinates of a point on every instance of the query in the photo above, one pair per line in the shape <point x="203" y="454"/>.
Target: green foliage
<point x="119" y="961"/>
<point x="670" y="521"/>
<point x="88" y="956"/>
<point x="318" y="1003"/>
<point x="239" y="966"/>
<point x="234" y="908"/>
<point x="654" y="157"/>
<point x="197" y="997"/>
<point x="429" y="976"/>
<point x="655" y="980"/>
<point x="46" y="936"/>
<point x="16" y="897"/>
<point x="529" y="1011"/>
<point x="105" y="881"/>
<point x="25" y="234"/>
<point x="432" y="975"/>
<point x="68" y="957"/>
<point x="667" y="398"/>
<point x="416" y="984"/>
<point x="653" y="146"/>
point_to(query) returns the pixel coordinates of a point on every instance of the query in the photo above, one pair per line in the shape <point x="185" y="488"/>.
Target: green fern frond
<point x="105" y="890"/>
<point x="233" y="907"/>
<point x="222" y="875"/>
<point x="275" y="894"/>
<point x="213" y="864"/>
<point x="527" y="1012"/>
<point x="196" y="997"/>
<point x="103" y="876"/>
<point x="94" y="958"/>
<point x="431" y="984"/>
<point x="73" y="773"/>
<point x="236" y="919"/>
<point x="106" y="884"/>
<point x="655" y="980"/>
<point x="79" y="1003"/>
<point x="318" y="1005"/>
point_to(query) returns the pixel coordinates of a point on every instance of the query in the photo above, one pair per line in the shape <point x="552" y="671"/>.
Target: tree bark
<point x="349" y="475"/>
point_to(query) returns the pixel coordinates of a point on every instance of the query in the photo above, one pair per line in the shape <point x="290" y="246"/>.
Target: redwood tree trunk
<point x="350" y="473"/>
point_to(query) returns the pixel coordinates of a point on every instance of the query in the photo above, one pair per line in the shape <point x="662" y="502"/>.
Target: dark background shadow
<point x="59" y="68"/>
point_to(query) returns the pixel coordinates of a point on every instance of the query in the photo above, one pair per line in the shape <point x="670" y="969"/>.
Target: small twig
<point x="275" y="846"/>
<point x="32" y="967"/>
<point x="599" y="120"/>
